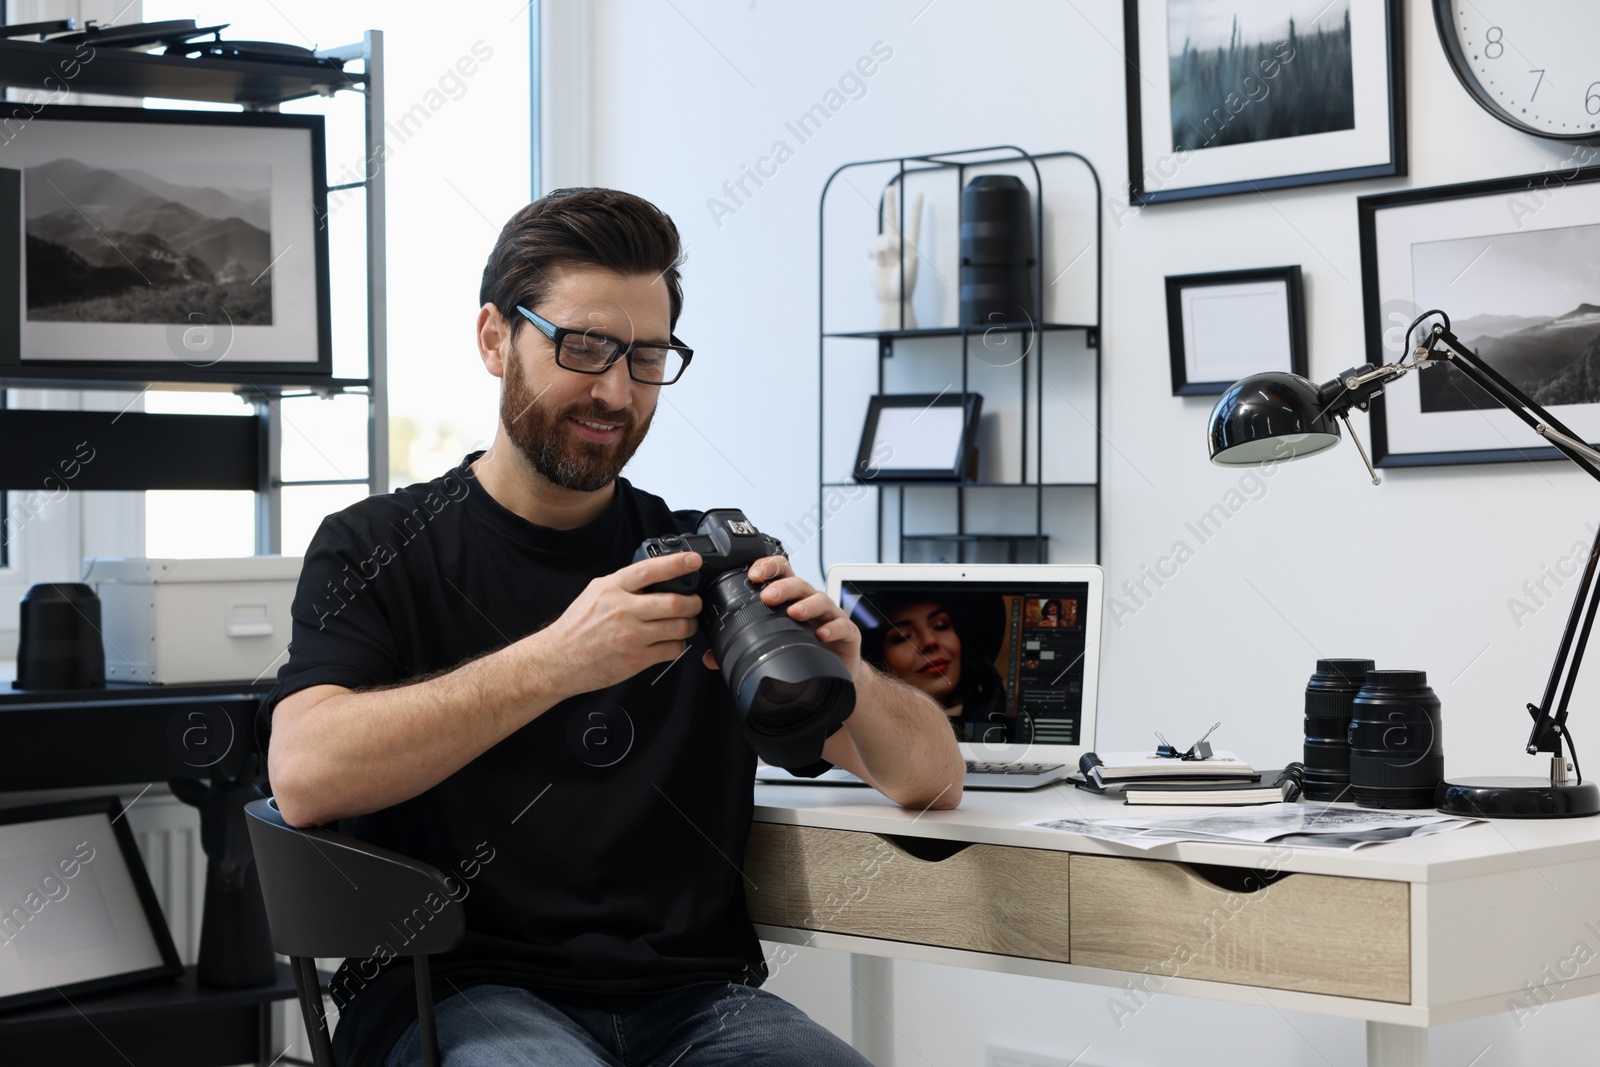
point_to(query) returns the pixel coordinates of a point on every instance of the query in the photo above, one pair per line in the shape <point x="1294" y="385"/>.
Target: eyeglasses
<point x="588" y="352"/>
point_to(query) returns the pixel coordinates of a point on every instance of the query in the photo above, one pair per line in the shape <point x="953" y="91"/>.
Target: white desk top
<point x="995" y="818"/>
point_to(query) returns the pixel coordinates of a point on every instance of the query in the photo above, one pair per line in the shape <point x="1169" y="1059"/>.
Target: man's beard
<point x="553" y="448"/>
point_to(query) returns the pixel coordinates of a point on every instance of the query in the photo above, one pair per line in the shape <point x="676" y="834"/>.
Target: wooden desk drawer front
<point x="1314" y="933"/>
<point x="984" y="898"/>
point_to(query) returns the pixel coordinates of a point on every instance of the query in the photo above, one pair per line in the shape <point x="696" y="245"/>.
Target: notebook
<point x="1011" y="651"/>
<point x="1275" y="788"/>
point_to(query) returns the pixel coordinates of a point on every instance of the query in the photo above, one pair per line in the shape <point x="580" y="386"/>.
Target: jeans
<point x="711" y="1024"/>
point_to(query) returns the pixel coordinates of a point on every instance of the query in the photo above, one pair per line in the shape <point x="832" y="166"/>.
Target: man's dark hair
<point x="569" y="227"/>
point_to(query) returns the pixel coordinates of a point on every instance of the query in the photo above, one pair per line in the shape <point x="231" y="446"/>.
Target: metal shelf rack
<point x="255" y="86"/>
<point x="1031" y="385"/>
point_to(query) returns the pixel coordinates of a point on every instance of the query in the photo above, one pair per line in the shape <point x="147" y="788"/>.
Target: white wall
<point x="1415" y="573"/>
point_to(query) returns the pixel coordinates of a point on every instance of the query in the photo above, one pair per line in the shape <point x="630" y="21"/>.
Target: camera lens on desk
<point x="1329" y="695"/>
<point x="1396" y="742"/>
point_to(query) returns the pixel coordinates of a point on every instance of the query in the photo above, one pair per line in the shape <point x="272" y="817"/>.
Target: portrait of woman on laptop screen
<point x="944" y="644"/>
<point x="1051" y="613"/>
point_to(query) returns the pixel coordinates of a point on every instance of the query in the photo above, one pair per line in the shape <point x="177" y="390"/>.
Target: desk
<point x="1404" y="935"/>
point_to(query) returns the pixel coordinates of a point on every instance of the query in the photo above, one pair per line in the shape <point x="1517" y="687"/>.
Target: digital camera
<point x="788" y="689"/>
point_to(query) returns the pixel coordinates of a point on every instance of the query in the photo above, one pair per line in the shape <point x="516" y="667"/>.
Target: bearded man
<point x="478" y="680"/>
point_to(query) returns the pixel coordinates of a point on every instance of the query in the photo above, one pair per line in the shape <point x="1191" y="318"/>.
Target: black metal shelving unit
<point x="212" y="455"/>
<point x="1030" y="366"/>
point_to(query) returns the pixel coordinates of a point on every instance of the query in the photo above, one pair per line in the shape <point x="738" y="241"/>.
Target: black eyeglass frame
<point x="624" y="348"/>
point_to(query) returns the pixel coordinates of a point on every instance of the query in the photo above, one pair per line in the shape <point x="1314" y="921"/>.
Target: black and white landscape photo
<point x="1527" y="302"/>
<point x="1257" y="70"/>
<point x="116" y="244"/>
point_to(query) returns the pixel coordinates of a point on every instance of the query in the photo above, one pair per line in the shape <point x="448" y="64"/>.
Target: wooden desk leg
<point x="1395" y="1045"/>
<point x="872" y="1008"/>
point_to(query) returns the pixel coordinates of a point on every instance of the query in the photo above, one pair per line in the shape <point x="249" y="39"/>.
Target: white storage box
<point x="194" y="620"/>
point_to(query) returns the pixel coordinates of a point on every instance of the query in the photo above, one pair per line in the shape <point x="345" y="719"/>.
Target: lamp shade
<point x="1270" y="416"/>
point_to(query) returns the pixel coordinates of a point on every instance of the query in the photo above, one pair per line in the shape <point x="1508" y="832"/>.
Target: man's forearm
<point x="358" y="752"/>
<point x="905" y="742"/>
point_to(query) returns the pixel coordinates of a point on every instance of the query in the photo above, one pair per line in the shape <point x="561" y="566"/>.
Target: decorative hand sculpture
<point x="885" y="251"/>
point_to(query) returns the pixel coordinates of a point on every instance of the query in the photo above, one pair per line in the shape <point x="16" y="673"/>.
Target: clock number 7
<point x="1536" y="84"/>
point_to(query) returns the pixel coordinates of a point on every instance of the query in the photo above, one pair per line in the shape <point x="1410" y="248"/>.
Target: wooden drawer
<point x="766" y="874"/>
<point x="1346" y="937"/>
<point x="985" y="898"/>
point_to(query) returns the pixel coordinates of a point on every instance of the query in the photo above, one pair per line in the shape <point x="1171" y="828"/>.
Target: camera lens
<point x="1396" y="744"/>
<point x="787" y="688"/>
<point x="1329" y="694"/>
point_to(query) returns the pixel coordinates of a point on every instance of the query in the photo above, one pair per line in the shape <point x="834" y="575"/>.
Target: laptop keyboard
<point x="977" y="767"/>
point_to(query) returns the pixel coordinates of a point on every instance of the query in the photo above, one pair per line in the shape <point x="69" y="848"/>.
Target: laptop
<point x="1010" y="651"/>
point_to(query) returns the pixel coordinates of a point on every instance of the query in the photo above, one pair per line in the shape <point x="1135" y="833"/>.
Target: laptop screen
<point x="1005" y="659"/>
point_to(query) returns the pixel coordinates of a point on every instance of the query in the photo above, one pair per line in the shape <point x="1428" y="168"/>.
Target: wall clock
<point x="1532" y="65"/>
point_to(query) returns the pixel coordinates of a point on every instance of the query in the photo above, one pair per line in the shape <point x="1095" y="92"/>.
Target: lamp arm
<point x="1513" y="399"/>
<point x="1549" y="716"/>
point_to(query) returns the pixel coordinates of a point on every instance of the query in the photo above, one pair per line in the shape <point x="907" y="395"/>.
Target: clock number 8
<point x="1493" y="37"/>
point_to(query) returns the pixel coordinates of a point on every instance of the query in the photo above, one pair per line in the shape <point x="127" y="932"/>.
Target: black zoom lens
<point x="1328" y="698"/>
<point x="1396" y="744"/>
<point x="787" y="688"/>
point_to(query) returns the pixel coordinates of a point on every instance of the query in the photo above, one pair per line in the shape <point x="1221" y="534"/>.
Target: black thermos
<point x="1329" y="695"/>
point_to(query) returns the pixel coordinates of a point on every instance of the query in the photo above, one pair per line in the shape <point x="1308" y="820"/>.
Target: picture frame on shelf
<point x="163" y="245"/>
<point x="1511" y="261"/>
<point x="918" y="437"/>
<point x="1239" y="96"/>
<point x="1227" y="325"/>
<point x="81" y="915"/>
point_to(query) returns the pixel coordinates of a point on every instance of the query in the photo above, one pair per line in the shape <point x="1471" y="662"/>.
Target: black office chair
<point x="330" y="895"/>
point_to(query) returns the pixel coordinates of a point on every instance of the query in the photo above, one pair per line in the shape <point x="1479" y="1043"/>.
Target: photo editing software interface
<point x="1005" y="662"/>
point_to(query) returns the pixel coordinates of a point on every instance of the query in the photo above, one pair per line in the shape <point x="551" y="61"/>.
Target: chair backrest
<point x="329" y="895"/>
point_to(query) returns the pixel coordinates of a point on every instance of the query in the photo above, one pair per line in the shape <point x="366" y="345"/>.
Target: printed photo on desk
<point x="79" y="913"/>
<point x="1007" y="664"/>
<point x="187" y="244"/>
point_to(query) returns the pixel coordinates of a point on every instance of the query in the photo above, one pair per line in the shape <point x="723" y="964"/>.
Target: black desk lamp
<point x="1279" y="415"/>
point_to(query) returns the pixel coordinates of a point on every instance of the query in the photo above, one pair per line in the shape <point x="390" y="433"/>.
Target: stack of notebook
<point x="1143" y="778"/>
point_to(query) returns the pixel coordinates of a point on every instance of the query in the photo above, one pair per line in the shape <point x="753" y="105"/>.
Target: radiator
<point x="168" y="834"/>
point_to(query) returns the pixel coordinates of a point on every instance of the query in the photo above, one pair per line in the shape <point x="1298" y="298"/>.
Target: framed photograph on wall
<point x="1228" y="325"/>
<point x="79" y="912"/>
<point x="160" y="245"/>
<point x="1513" y="262"/>
<point x="918" y="437"/>
<point x="1238" y="96"/>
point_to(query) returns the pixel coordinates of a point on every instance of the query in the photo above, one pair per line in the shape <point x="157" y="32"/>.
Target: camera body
<point x="728" y="543"/>
<point x="788" y="690"/>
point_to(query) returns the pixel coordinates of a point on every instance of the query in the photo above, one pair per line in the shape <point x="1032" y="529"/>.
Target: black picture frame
<point x="876" y="455"/>
<point x="1223" y="176"/>
<point x="1404" y="432"/>
<point x="301" y="278"/>
<point x="136" y="883"/>
<point x="1178" y="285"/>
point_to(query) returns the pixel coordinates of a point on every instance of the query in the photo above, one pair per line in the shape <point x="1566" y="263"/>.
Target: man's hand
<point x="809" y="605"/>
<point x="613" y="630"/>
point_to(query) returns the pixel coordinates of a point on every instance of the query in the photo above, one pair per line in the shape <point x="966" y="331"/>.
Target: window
<point x="457" y="122"/>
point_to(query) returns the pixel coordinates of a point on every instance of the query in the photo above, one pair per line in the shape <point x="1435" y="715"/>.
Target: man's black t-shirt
<point x="598" y="849"/>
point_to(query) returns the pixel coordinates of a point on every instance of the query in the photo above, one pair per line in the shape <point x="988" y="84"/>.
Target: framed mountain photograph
<point x="1514" y="264"/>
<point x="169" y="246"/>
<point x="1241" y="96"/>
